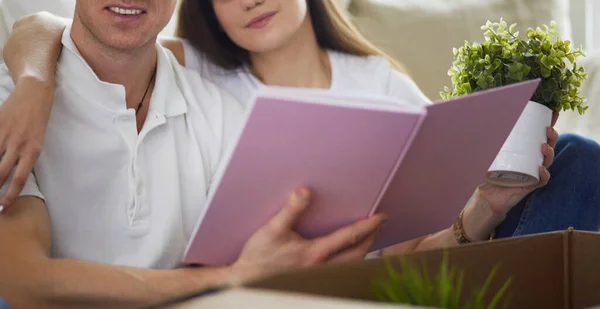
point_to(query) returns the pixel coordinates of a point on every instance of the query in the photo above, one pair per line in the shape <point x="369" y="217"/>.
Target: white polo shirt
<point x="117" y="197"/>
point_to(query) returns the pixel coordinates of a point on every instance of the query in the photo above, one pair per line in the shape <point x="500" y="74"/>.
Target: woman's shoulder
<point x="376" y="67"/>
<point x="176" y="47"/>
<point x="234" y="81"/>
<point x="196" y="60"/>
<point x="374" y="74"/>
<point x="353" y="63"/>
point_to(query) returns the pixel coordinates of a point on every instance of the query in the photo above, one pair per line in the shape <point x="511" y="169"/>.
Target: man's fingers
<point x="548" y="153"/>
<point x="347" y="237"/>
<point x="296" y="205"/>
<point x="7" y="163"/>
<point x="19" y="178"/>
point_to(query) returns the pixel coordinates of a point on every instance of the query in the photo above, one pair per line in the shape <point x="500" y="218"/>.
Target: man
<point x="132" y="144"/>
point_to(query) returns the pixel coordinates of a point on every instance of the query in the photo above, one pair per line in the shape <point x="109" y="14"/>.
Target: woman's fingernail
<point x="1" y="209"/>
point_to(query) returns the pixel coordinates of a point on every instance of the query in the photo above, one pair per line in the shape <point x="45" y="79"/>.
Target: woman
<point x="244" y="44"/>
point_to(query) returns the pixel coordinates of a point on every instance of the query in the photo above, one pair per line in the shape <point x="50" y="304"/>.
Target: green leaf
<point x="503" y="58"/>
<point x="545" y="72"/>
<point x="467" y="88"/>
<point x="525" y="70"/>
<point x="547" y="95"/>
<point x="458" y="289"/>
<point x="499" y="294"/>
<point x="484" y="288"/>
<point x="544" y="61"/>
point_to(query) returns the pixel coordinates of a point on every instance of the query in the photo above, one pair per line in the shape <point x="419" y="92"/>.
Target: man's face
<point x="124" y="24"/>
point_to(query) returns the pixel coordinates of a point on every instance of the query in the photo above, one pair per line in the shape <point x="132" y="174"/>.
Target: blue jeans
<point x="571" y="198"/>
<point x="3" y="304"/>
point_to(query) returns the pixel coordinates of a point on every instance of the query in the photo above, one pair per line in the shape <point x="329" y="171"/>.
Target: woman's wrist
<point x="479" y="220"/>
<point x="39" y="83"/>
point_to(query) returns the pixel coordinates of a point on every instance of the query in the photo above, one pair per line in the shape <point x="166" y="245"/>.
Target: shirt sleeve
<point x="31" y="188"/>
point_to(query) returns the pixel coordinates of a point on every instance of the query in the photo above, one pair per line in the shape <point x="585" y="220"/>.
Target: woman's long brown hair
<point x="200" y="26"/>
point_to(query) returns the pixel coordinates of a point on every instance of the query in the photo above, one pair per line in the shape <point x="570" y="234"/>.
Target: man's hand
<point x="276" y="246"/>
<point x="501" y="200"/>
<point x="23" y="119"/>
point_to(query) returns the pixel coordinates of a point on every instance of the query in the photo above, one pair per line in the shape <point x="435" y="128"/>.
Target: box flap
<point x="585" y="270"/>
<point x="536" y="264"/>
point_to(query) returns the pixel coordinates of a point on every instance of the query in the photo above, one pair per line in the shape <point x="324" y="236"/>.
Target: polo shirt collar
<point x="75" y="73"/>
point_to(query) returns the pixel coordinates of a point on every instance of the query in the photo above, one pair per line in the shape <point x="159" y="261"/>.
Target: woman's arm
<point x="33" y="47"/>
<point x="31" y="54"/>
<point x="489" y="204"/>
<point x="479" y="220"/>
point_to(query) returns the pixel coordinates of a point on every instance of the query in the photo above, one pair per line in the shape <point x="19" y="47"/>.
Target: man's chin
<point x="126" y="44"/>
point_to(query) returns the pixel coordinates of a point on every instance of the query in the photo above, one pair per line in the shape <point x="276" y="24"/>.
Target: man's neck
<point x="132" y="69"/>
<point x="301" y="63"/>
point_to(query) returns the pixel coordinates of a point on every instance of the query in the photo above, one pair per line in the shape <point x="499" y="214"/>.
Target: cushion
<point x="421" y="34"/>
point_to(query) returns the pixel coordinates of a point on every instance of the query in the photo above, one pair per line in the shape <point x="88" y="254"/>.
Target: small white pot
<point x="518" y="162"/>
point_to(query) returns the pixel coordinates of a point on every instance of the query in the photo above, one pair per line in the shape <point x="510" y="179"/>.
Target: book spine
<point x="401" y="156"/>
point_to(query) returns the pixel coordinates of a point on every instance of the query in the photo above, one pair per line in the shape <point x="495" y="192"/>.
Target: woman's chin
<point x="263" y="49"/>
<point x="260" y="45"/>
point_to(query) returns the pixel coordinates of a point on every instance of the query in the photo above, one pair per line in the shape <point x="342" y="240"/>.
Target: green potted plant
<point x="414" y="286"/>
<point x="505" y="58"/>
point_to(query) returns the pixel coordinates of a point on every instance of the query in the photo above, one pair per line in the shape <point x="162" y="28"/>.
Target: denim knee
<point x="3" y="304"/>
<point x="578" y="156"/>
<point x="570" y="144"/>
<point x="570" y="199"/>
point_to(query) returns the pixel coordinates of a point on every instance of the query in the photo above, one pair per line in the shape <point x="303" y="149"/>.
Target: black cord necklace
<point x="145" y="93"/>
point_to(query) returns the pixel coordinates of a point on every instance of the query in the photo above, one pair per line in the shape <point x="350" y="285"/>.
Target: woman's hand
<point x="23" y="119"/>
<point x="501" y="200"/>
<point x="31" y="53"/>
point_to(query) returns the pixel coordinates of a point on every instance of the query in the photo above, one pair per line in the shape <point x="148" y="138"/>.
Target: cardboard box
<point x="554" y="270"/>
